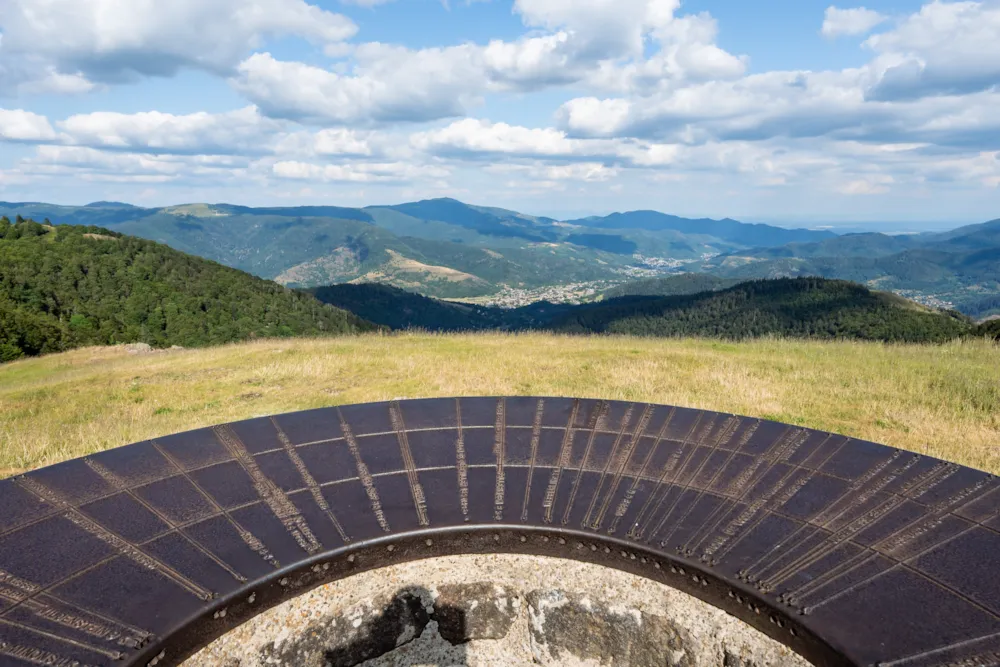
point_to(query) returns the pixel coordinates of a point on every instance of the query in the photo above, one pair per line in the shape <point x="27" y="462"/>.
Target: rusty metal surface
<point x="849" y="552"/>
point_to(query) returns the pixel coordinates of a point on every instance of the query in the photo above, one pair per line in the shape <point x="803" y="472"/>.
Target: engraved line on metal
<point x="745" y="522"/>
<point x="737" y="490"/>
<point x="837" y="535"/>
<point x="272" y="495"/>
<point x="596" y="421"/>
<point x="461" y="467"/>
<point x="640" y="476"/>
<point x="117" y="542"/>
<point x="154" y="480"/>
<point x="662" y="487"/>
<point x="733" y="425"/>
<point x="565" y="450"/>
<point x="114" y="655"/>
<point x="120" y="484"/>
<point x="626" y="458"/>
<point x="899" y="537"/>
<point x="249" y="539"/>
<point x="416" y="490"/>
<point x="900" y="563"/>
<point x="681" y="482"/>
<point x="499" y="450"/>
<point x="46" y="590"/>
<point x="536" y="434"/>
<point x="812" y="472"/>
<point x="910" y="659"/>
<point x="814" y="523"/>
<point x="314" y="490"/>
<point x="37" y="656"/>
<point x="24" y="593"/>
<point x="724" y="434"/>
<point x="363" y="474"/>
<point x="626" y="421"/>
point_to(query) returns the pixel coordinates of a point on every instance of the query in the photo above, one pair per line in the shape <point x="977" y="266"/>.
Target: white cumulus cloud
<point x="19" y="125"/>
<point x="118" y="40"/>
<point x="858" y="21"/>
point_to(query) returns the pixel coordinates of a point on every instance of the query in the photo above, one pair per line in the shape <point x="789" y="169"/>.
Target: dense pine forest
<point x="67" y="286"/>
<point x="791" y="307"/>
<point x="787" y="307"/>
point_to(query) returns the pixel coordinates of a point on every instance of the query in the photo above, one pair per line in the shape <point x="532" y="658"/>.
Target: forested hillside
<point x="67" y="286"/>
<point x="960" y="267"/>
<point x="792" y="307"/>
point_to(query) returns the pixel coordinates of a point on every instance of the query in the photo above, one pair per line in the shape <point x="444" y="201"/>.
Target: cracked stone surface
<point x="494" y="610"/>
<point x="566" y="626"/>
<point x="483" y="610"/>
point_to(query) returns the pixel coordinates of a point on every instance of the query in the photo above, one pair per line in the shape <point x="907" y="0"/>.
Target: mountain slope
<point x="848" y="245"/>
<point x="66" y="286"/>
<point x="804" y="307"/>
<point x="398" y="309"/>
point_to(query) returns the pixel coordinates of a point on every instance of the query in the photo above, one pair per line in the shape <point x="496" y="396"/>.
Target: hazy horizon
<point x="806" y="222"/>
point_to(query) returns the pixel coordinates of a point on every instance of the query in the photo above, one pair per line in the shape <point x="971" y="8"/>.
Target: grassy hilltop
<point x="942" y="400"/>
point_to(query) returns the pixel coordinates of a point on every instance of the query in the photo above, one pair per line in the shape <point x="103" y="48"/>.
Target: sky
<point x="790" y="111"/>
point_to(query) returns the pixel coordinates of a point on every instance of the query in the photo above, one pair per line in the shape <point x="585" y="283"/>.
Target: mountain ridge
<point x="792" y="307"/>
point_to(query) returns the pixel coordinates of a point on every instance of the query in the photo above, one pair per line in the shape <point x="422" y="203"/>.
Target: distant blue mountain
<point x="746" y="234"/>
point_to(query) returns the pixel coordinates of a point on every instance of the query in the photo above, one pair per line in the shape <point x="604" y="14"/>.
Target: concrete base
<point x="494" y="610"/>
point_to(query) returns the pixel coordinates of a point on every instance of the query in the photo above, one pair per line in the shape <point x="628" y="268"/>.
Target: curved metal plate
<point x="847" y="551"/>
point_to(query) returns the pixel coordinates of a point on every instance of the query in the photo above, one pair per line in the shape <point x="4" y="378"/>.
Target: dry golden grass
<point x="939" y="400"/>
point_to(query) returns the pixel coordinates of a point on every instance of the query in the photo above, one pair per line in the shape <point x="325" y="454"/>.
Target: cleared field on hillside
<point x="939" y="400"/>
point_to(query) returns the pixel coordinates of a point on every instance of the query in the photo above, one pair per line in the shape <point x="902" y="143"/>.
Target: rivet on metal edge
<point x="252" y="598"/>
<point x="391" y="547"/>
<point x="284" y="581"/>
<point x="326" y="566"/>
<point x="545" y="538"/>
<point x="657" y="565"/>
<point x="350" y="559"/>
<point x="524" y="539"/>
<point x="429" y="542"/>
<point x="496" y="538"/>
<point x="562" y="541"/>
